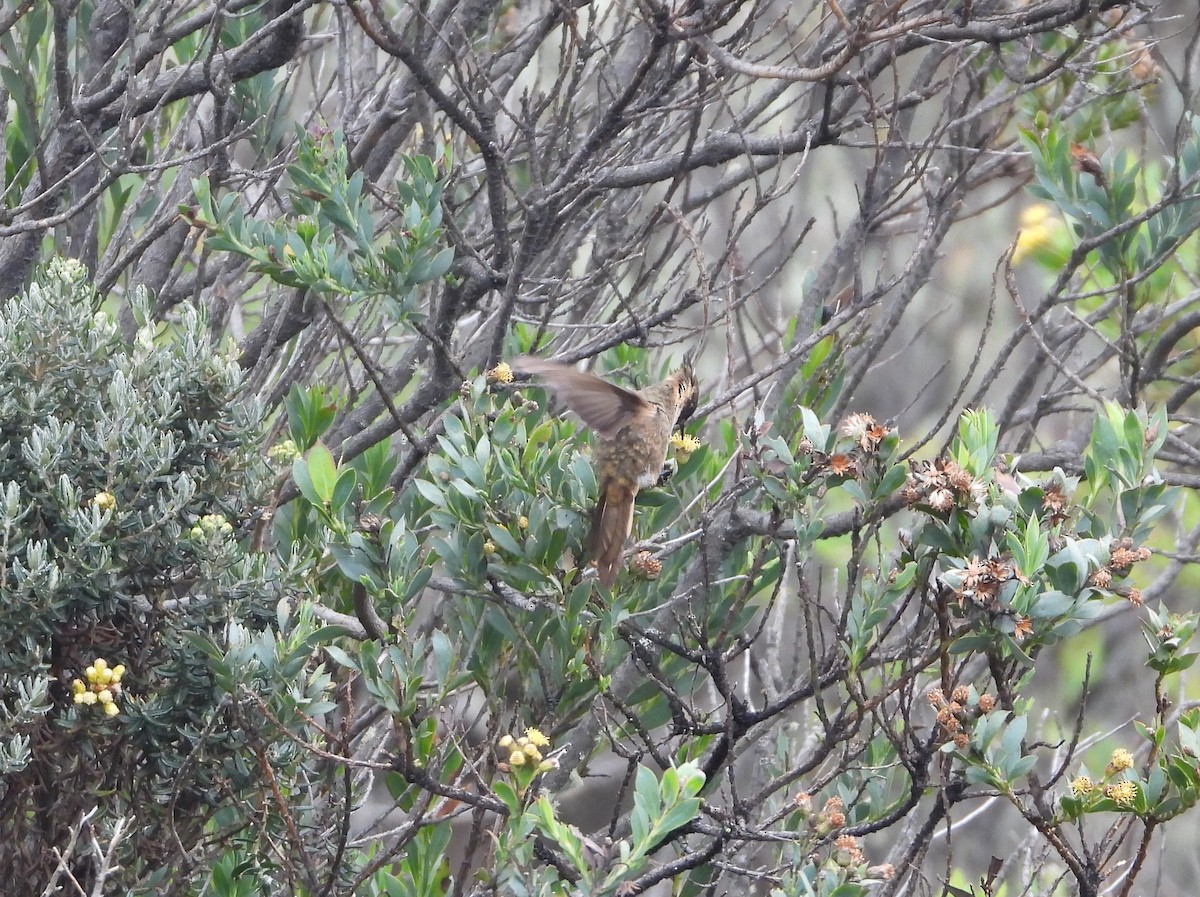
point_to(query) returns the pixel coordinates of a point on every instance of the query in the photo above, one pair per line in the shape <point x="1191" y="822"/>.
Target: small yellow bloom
<point x="523" y="522"/>
<point x="214" y="523"/>
<point x="501" y="373"/>
<point x="102" y="686"/>
<point x="517" y="758"/>
<point x="1120" y="761"/>
<point x="105" y="501"/>
<point x="1039" y="228"/>
<point x="532" y="753"/>
<point x="506" y="742"/>
<point x="1081" y="786"/>
<point x="284" y="452"/>
<point x="536" y="738"/>
<point x="1029" y="241"/>
<point x="684" y="444"/>
<point x="489" y="547"/>
<point x="1036" y="215"/>
<point x="1123" y="793"/>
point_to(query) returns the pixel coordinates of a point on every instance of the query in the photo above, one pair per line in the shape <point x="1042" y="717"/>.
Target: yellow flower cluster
<point x="1123" y="793"/>
<point x="501" y="373"/>
<point x="1039" y="228"/>
<point x="105" y="501"/>
<point x="283" y="452"/>
<point x="102" y="686"/>
<point x="1082" y="786"/>
<point x="210" y="525"/>
<point x="527" y="750"/>
<point x="684" y="445"/>
<point x="1120" y="761"/>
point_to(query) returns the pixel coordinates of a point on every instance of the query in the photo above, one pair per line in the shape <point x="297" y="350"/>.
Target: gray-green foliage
<point x="1097" y="207"/>
<point x="1002" y="575"/>
<point x="333" y="245"/>
<point x="126" y="471"/>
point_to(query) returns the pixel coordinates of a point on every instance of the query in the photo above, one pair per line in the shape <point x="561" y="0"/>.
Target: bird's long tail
<point x="611" y="523"/>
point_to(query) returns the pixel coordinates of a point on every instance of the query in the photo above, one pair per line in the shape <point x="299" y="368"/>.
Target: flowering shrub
<point x="127" y="472"/>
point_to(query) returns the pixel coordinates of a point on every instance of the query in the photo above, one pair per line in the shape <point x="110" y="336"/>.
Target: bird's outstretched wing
<point x="601" y="405"/>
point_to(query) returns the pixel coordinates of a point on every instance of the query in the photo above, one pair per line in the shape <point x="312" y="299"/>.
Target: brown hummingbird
<point x="633" y="429"/>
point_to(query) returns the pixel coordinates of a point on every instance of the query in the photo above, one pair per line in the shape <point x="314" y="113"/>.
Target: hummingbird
<point x="633" y="429"/>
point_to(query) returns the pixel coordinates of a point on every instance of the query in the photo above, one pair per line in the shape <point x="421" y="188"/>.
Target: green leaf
<point x="443" y="656"/>
<point x="341" y="658"/>
<point x="343" y="489"/>
<point x="440" y="264"/>
<point x="502" y="537"/>
<point x="322" y="472"/>
<point x="891" y="481"/>
<point x="304" y="481"/>
<point x="508" y="796"/>
<point x="309" y="415"/>
<point x="816" y="433"/>
<point x="679" y="815"/>
<point x="356" y="565"/>
<point x="1019" y="767"/>
<point x="1051" y="604"/>
<point x="431" y="492"/>
<point x="980" y="775"/>
<point x="1014" y="735"/>
<point x="417" y="583"/>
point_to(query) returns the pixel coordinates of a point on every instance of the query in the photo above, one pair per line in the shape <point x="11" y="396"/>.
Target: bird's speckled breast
<point x="635" y="456"/>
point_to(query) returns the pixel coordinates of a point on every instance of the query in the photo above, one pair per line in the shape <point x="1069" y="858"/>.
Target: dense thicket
<point x="262" y="262"/>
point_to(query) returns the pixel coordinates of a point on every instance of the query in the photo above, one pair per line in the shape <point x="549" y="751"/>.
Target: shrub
<point x="127" y="472"/>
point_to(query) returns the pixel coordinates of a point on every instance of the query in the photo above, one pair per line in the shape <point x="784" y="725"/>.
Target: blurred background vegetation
<point x="294" y="592"/>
